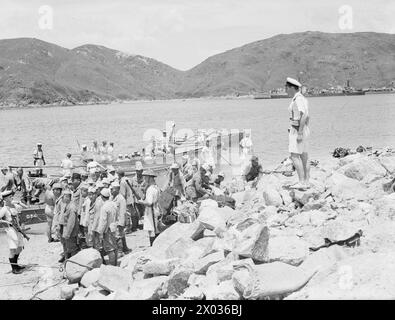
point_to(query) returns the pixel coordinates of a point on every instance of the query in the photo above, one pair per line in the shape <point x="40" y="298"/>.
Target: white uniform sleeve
<point x="301" y="105"/>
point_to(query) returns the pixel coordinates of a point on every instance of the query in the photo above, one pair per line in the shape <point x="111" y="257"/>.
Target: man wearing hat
<point x="69" y="226"/>
<point x="107" y="227"/>
<point x="299" y="132"/>
<point x="57" y="189"/>
<point x="196" y="187"/>
<point x="253" y="172"/>
<point x="76" y="189"/>
<point x="84" y="176"/>
<point x="131" y="191"/>
<point x="111" y="173"/>
<point x="38" y="158"/>
<point x="220" y="178"/>
<point x="9" y="220"/>
<point x="121" y="216"/>
<point x="82" y="213"/>
<point x="176" y="181"/>
<point x="90" y="216"/>
<point x="23" y="187"/>
<point x="151" y="212"/>
<point x="207" y="155"/>
<point x="49" y="200"/>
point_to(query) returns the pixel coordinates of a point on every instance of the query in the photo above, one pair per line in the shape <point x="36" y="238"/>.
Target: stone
<point x="318" y="218"/>
<point x="224" y="291"/>
<point x="120" y="295"/>
<point x="148" y="289"/>
<point x="178" y="281"/>
<point x="271" y="196"/>
<point x="91" y="293"/>
<point x="90" y="278"/>
<point x="85" y="260"/>
<point x="202" y="264"/>
<point x="344" y="188"/>
<point x="305" y="196"/>
<point x="366" y="276"/>
<point x="388" y="162"/>
<point x="67" y="291"/>
<point x="160" y="267"/>
<point x="240" y="280"/>
<point x="285" y="197"/>
<point x="360" y="168"/>
<point x="196" y="280"/>
<point x="287" y="249"/>
<point x="253" y="242"/>
<point x="277" y="220"/>
<point x="193" y="293"/>
<point x="385" y="206"/>
<point x="211" y="218"/>
<point x="275" y="279"/>
<point x="113" y="278"/>
<point x="350" y="158"/>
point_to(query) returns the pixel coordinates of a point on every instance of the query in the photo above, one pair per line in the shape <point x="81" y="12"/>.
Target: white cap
<point x="106" y="181"/>
<point x="115" y="184"/>
<point x="294" y="82"/>
<point x="92" y="190"/>
<point x="139" y="165"/>
<point x="105" y="193"/>
<point x="221" y="174"/>
<point x="110" y="168"/>
<point x="174" y="165"/>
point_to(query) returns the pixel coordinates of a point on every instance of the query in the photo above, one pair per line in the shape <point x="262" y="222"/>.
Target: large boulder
<point x="344" y="188"/>
<point x="275" y="279"/>
<point x="211" y="218"/>
<point x="113" y="278"/>
<point x="360" y="168"/>
<point x="287" y="249"/>
<point x="91" y="293"/>
<point x="167" y="238"/>
<point x="81" y="263"/>
<point x="90" y="278"/>
<point x="148" y="289"/>
<point x="160" y="267"/>
<point x="361" y="277"/>
<point x="205" y="262"/>
<point x="388" y="162"/>
<point x="253" y="242"/>
<point x="385" y="206"/>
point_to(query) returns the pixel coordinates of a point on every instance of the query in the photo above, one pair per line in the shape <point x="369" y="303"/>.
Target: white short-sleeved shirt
<point x="299" y="104"/>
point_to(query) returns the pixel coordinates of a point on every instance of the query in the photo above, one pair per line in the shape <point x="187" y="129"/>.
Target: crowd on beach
<point x="97" y="206"/>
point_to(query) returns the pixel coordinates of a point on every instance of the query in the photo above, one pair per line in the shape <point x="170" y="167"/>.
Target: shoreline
<point x="115" y="102"/>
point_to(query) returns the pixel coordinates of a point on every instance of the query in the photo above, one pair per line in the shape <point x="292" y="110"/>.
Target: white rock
<point x="148" y="289"/>
<point x="90" y="278"/>
<point x="361" y="168"/>
<point x="224" y="291"/>
<point x="87" y="257"/>
<point x="388" y="162"/>
<point x="345" y="188"/>
<point x="271" y="196"/>
<point x="287" y="249"/>
<point x="113" y="278"/>
<point x="160" y="267"/>
<point x="253" y="242"/>
<point x="202" y="264"/>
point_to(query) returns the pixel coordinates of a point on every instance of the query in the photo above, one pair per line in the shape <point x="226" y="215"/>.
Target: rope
<point x="45" y="289"/>
<point x="61" y="268"/>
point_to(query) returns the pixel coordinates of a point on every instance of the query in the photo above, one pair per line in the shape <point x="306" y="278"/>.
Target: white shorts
<point x="298" y="147"/>
<point x="14" y="239"/>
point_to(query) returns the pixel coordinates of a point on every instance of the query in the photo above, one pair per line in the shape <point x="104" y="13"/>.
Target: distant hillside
<point x="36" y="72"/>
<point x="324" y="59"/>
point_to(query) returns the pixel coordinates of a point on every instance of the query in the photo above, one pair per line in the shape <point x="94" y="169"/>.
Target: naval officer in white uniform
<point x="299" y="132"/>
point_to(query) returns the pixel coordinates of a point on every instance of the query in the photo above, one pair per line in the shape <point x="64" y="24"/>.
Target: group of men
<point x="92" y="208"/>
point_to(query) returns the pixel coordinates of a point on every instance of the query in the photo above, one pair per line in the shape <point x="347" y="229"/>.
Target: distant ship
<point x="380" y="91"/>
<point x="262" y="96"/>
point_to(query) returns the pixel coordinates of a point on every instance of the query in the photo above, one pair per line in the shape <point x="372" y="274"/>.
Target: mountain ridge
<point x="35" y="72"/>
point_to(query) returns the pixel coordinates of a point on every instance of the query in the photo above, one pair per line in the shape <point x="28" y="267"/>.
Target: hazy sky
<point x="182" y="33"/>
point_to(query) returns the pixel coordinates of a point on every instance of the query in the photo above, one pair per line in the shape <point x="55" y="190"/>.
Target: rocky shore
<point x="262" y="250"/>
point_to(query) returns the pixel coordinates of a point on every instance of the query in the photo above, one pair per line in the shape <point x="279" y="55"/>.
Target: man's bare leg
<point x="297" y="161"/>
<point x="306" y="167"/>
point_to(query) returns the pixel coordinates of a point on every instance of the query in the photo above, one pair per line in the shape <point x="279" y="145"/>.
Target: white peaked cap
<point x="294" y="82"/>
